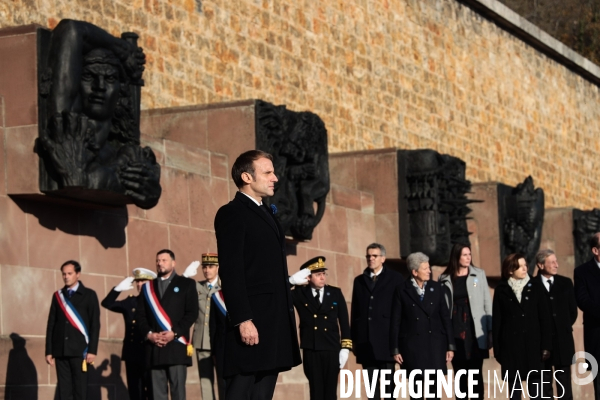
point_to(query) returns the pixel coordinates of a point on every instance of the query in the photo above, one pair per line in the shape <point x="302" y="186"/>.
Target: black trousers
<point x="463" y="383"/>
<point x="139" y="384"/>
<point x="562" y="377"/>
<point x="371" y="367"/>
<point x="72" y="381"/>
<point x="258" y="386"/>
<point x="322" y="369"/>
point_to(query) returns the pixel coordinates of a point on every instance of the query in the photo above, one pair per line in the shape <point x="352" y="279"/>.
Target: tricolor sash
<point x="75" y="319"/>
<point x="161" y="316"/>
<point x="220" y="301"/>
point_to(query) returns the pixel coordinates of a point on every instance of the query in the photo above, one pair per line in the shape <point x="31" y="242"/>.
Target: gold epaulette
<point x="347" y="344"/>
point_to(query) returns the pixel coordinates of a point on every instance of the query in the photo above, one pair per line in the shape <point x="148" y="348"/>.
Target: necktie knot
<point x="318" y="295"/>
<point x="210" y="286"/>
<point x="70" y="292"/>
<point x="374" y="278"/>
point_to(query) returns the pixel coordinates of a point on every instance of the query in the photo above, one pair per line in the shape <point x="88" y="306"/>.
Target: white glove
<point x="343" y="357"/>
<point x="126" y="284"/>
<point x="191" y="269"/>
<point x="300" y="277"/>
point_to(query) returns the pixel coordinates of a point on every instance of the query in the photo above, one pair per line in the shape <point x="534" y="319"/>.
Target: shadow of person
<point x="94" y="381"/>
<point x="21" y="374"/>
<point x="114" y="382"/>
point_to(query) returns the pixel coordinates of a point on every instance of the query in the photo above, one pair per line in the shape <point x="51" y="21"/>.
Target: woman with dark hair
<point x="522" y="327"/>
<point x="470" y="304"/>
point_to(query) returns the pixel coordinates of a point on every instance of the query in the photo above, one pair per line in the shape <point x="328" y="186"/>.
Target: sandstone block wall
<point x="393" y="73"/>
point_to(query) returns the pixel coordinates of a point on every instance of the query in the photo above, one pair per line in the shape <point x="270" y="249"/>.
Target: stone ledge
<point x="518" y="26"/>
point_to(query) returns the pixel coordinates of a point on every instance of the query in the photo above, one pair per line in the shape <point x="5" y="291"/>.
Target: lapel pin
<point x="327" y="293"/>
<point x="431" y="289"/>
<point x="334" y="303"/>
<point x="526" y="298"/>
<point x="273" y="209"/>
<point x="529" y="284"/>
<point x="176" y="290"/>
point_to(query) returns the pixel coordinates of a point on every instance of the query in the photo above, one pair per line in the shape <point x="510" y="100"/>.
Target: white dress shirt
<point x="321" y="293"/>
<point x="546" y="280"/>
<point x="252" y="198"/>
<point x="372" y="274"/>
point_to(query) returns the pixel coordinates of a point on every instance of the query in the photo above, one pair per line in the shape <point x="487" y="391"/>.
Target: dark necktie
<point x="70" y="292"/>
<point x="374" y="278"/>
<point x="422" y="295"/>
<point x="550" y="283"/>
<point x="318" y="296"/>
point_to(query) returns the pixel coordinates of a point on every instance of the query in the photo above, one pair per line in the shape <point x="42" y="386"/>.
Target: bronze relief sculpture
<point x="89" y="139"/>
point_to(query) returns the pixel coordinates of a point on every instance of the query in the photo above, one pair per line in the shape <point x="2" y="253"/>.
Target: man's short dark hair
<point x="376" y="246"/>
<point x="594" y="241"/>
<point x="167" y="251"/>
<point x="245" y="163"/>
<point x="75" y="265"/>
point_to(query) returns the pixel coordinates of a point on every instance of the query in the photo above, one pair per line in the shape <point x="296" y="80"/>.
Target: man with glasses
<point x="372" y="297"/>
<point x="587" y="282"/>
<point x="323" y="315"/>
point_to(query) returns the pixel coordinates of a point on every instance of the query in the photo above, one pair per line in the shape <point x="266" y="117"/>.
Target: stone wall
<point x="390" y="73"/>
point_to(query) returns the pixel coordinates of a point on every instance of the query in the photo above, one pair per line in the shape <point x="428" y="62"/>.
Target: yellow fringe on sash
<point x="84" y="366"/>
<point x="190" y="350"/>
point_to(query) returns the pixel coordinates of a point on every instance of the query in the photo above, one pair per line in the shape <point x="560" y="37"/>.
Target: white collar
<point x="74" y="288"/>
<point x="597" y="262"/>
<point x="252" y="198"/>
<point x="214" y="282"/>
<point x="372" y="274"/>
<point x="544" y="279"/>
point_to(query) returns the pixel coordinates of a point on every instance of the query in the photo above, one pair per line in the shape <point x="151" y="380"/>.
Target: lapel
<point x="256" y="209"/>
<point x="77" y="295"/>
<point x="368" y="281"/>
<point x="538" y="277"/>
<point x="326" y="298"/>
<point x="412" y="293"/>
<point x="594" y="269"/>
<point x="513" y="296"/>
<point x="428" y="298"/>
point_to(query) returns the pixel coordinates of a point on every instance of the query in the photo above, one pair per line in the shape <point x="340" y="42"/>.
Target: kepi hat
<point x="210" y="259"/>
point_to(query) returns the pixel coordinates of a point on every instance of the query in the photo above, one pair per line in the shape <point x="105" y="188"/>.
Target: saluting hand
<point x="249" y="333"/>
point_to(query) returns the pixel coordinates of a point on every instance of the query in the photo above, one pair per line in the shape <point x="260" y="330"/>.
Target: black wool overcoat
<point x="587" y="294"/>
<point x="254" y="280"/>
<point x="421" y="331"/>
<point x="563" y="310"/>
<point x="521" y="330"/>
<point x="180" y="302"/>
<point x="370" y="315"/>
<point x="62" y="338"/>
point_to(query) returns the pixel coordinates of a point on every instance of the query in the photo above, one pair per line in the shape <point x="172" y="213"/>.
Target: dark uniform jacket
<point x="321" y="324"/>
<point x="421" y="330"/>
<point x="563" y="310"/>
<point x="62" y="338"/>
<point x="180" y="302"/>
<point x="521" y="330"/>
<point x="133" y="343"/>
<point x="254" y="275"/>
<point x="370" y="315"/>
<point x="587" y="293"/>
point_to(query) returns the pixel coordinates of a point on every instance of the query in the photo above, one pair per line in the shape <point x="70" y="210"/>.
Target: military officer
<point x="202" y="332"/>
<point x="323" y="316"/>
<point x="138" y="377"/>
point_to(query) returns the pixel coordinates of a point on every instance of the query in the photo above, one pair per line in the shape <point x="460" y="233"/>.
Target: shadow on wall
<point x="106" y="224"/>
<point x="21" y="374"/>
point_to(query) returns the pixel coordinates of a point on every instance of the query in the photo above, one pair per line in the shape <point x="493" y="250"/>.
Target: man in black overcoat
<point x="138" y="377"/>
<point x="421" y="335"/>
<point x="561" y="297"/>
<point x="167" y="354"/>
<point x="65" y="344"/>
<point x="587" y="294"/>
<point x="261" y="340"/>
<point x="372" y="296"/>
<point x="324" y="330"/>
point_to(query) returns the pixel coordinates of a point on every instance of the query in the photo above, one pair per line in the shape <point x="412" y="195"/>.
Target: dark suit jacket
<point x="564" y="313"/>
<point x="370" y="315"/>
<point x="421" y="331"/>
<point x="133" y="343"/>
<point x="587" y="293"/>
<point x="321" y="324"/>
<point x="254" y="276"/>
<point x="180" y="302"/>
<point x="521" y="330"/>
<point x="62" y="338"/>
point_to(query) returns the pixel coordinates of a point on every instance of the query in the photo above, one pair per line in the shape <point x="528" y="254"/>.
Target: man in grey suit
<point x="201" y="339"/>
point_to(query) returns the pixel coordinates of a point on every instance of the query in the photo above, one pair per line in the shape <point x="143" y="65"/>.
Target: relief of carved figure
<point x="585" y="225"/>
<point x="90" y="141"/>
<point x="298" y="143"/>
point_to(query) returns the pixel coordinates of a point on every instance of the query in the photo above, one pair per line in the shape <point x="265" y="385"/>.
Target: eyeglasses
<point x="369" y="256"/>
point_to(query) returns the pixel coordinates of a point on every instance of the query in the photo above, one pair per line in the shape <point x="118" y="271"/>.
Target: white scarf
<point x="517" y="286"/>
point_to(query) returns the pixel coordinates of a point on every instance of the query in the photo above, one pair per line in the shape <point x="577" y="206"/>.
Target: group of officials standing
<point x="243" y="312"/>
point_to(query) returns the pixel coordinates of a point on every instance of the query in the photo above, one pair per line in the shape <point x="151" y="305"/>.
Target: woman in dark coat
<point x="420" y="329"/>
<point x="521" y="326"/>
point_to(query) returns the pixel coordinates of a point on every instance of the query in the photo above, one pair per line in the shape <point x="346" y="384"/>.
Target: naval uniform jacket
<point x="133" y="343"/>
<point x="421" y="330"/>
<point x="563" y="309"/>
<point x="180" y="302"/>
<point x="587" y="293"/>
<point x="370" y="315"/>
<point x="62" y="338"/>
<point x="521" y="331"/>
<point x="321" y="324"/>
<point x="254" y="275"/>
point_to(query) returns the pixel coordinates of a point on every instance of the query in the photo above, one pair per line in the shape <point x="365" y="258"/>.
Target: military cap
<point x="210" y="259"/>
<point x="143" y="274"/>
<point x="316" y="264"/>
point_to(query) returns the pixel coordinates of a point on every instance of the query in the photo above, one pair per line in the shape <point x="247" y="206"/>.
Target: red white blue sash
<point x="161" y="316"/>
<point x="220" y="301"/>
<point x="73" y="317"/>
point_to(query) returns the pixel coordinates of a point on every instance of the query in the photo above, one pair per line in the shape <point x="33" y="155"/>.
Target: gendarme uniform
<point x="138" y="378"/>
<point x="324" y="331"/>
